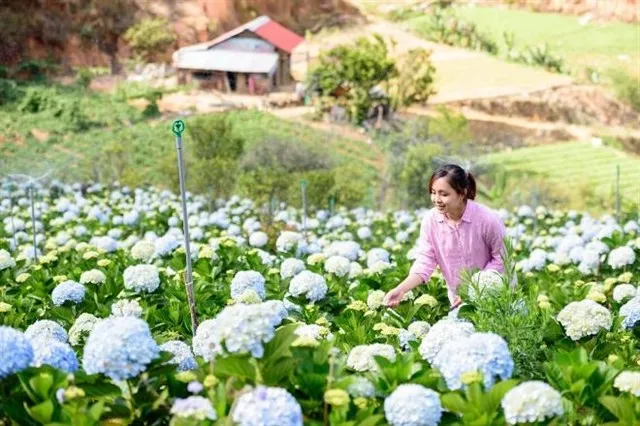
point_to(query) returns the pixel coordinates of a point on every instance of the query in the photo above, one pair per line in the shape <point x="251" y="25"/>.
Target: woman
<point x="457" y="234"/>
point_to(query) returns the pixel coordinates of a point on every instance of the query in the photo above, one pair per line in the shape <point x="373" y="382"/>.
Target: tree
<point x="150" y="38"/>
<point x="415" y="176"/>
<point x="103" y="22"/>
<point x="414" y="83"/>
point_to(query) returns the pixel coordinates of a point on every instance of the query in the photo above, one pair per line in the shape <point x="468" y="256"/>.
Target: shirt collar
<point x="466" y="216"/>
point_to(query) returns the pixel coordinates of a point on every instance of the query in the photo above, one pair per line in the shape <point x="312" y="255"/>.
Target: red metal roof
<point x="279" y="36"/>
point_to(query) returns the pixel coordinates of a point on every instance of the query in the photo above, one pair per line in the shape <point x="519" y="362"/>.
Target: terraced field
<point x="576" y="163"/>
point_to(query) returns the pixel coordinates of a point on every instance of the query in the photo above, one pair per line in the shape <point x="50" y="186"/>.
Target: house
<point x="253" y="58"/>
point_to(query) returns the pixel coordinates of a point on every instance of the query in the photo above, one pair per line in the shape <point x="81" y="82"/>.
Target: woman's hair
<point x="459" y="180"/>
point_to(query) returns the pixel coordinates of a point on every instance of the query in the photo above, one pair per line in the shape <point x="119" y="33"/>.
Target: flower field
<point x="95" y="324"/>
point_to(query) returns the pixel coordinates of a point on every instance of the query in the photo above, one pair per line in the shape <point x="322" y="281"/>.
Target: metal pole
<point x="33" y="223"/>
<point x="177" y="128"/>
<point x="303" y="188"/>
<point x="618" y="193"/>
<point x="13" y="225"/>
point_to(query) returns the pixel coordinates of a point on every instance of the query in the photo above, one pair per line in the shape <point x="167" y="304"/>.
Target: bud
<point x="210" y="381"/>
<point x="336" y="397"/>
<point x="103" y="263"/>
<point x="471" y="377"/>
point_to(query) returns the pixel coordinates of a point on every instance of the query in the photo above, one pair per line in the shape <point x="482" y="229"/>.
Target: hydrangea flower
<point x="258" y="239"/>
<point x="631" y="313"/>
<point x="419" y="328"/>
<point x="628" y="381"/>
<point x="182" y="355"/>
<point x="375" y="299"/>
<point x="126" y="308"/>
<point x="624" y="291"/>
<point x="486" y="282"/>
<point x="413" y="405"/>
<point x="194" y="407"/>
<point x="364" y="233"/>
<point x="338" y="265"/>
<point x="288" y="241"/>
<point x="165" y="245"/>
<point x="348" y="249"/>
<point x="105" y="243"/>
<point x="245" y="281"/>
<point x="444" y="331"/>
<point x="54" y="353"/>
<point x="81" y="328"/>
<point x="621" y="257"/>
<point x="486" y="353"/>
<point x="532" y="401"/>
<point x="239" y="329"/>
<point x="584" y="318"/>
<point x="361" y="357"/>
<point x="376" y="255"/>
<point x="119" y="347"/>
<point x="6" y="261"/>
<point x="308" y="284"/>
<point x="404" y="337"/>
<point x="93" y="276"/>
<point x="291" y="267"/>
<point x="46" y="329"/>
<point x="16" y="351"/>
<point x="355" y="270"/>
<point x="143" y="250"/>
<point x="141" y="278"/>
<point x="267" y="406"/>
<point x="361" y="387"/>
<point x="68" y="291"/>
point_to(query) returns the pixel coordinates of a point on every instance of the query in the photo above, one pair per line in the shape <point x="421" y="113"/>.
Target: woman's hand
<point x="393" y="297"/>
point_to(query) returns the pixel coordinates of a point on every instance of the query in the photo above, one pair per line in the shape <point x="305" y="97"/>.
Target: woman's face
<point x="444" y="197"/>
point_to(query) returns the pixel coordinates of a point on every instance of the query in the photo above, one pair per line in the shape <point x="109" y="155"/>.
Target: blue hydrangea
<point x="308" y="284"/>
<point x="631" y="313"/>
<point x="361" y="387"/>
<point x="194" y="407"/>
<point x="413" y="405"/>
<point x="182" y="355"/>
<point x="68" y="291"/>
<point x="16" y="351"/>
<point x="46" y="329"/>
<point x="265" y="406"/>
<point x="486" y="353"/>
<point x="245" y="281"/>
<point x="120" y="348"/>
<point x="54" y="353"/>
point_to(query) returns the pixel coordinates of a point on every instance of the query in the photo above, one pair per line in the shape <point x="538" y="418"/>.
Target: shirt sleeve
<point x="425" y="262"/>
<point x="495" y="239"/>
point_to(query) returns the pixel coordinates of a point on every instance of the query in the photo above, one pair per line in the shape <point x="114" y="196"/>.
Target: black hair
<point x="460" y="180"/>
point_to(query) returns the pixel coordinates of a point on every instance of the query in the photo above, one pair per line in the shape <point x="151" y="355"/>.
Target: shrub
<point x="150" y="38"/>
<point x="9" y="91"/>
<point x="627" y="88"/>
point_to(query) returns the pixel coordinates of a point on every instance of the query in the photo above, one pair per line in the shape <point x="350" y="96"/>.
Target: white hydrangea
<point x="6" y="261"/>
<point x="413" y="405"/>
<point x="445" y="330"/>
<point x="375" y="299"/>
<point x="355" y="270"/>
<point x="139" y="278"/>
<point x="314" y="331"/>
<point x="364" y="233"/>
<point x="361" y="357"/>
<point x="376" y="255"/>
<point x="628" y="381"/>
<point x="245" y="281"/>
<point x="584" y="318"/>
<point x="621" y="257"/>
<point x="486" y="282"/>
<point x="258" y="239"/>
<point x="126" y="308"/>
<point x="308" y="284"/>
<point x="361" y="387"/>
<point x="419" y="328"/>
<point x="291" y="267"/>
<point x="624" y="291"/>
<point x="630" y="311"/>
<point x="143" y="250"/>
<point x="105" y="243"/>
<point x="530" y="402"/>
<point x="93" y="276"/>
<point x="165" y="245"/>
<point x="239" y="329"/>
<point x="348" y="249"/>
<point x="81" y="328"/>
<point x="338" y="265"/>
<point x="288" y="240"/>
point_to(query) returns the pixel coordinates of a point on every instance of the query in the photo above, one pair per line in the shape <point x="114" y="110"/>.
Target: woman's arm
<point x="495" y="239"/>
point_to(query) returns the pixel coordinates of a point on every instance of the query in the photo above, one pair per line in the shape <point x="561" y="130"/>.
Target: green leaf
<point x="239" y="366"/>
<point x="371" y="420"/>
<point x="620" y="408"/>
<point x="100" y="390"/>
<point x="41" y="412"/>
<point x="279" y="346"/>
<point x="96" y="410"/>
<point x="455" y="403"/>
<point x="41" y="384"/>
<point x="273" y="375"/>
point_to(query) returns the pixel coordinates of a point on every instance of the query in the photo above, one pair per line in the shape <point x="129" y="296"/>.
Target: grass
<point x="573" y="165"/>
<point x="120" y="137"/>
<point x="596" y="45"/>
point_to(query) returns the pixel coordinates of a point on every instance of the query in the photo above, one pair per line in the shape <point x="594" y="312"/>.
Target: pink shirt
<point x="477" y="242"/>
